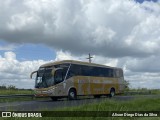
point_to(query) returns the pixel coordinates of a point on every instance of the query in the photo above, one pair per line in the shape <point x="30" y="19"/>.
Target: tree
<point x="126" y="84"/>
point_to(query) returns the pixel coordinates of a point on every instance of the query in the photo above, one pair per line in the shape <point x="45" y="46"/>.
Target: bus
<point x="70" y="78"/>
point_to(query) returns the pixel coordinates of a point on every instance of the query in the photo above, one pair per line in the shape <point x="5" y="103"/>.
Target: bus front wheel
<point x="72" y="94"/>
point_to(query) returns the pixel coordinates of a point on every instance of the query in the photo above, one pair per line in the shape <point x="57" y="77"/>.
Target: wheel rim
<point x="72" y="94"/>
<point x="112" y="93"/>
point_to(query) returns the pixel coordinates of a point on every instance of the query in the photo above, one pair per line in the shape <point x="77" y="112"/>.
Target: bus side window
<point x="120" y="73"/>
<point x="101" y="72"/>
<point x="111" y="74"/>
<point x="74" y="71"/>
<point x="117" y="73"/>
<point x="59" y="77"/>
<point x="114" y="73"/>
<point x="70" y="74"/>
<point x="85" y="70"/>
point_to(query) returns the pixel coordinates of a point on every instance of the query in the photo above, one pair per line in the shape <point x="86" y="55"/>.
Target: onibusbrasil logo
<point x="21" y="114"/>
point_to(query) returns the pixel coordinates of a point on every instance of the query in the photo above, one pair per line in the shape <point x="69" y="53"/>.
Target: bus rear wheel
<point x="112" y="92"/>
<point x="72" y="95"/>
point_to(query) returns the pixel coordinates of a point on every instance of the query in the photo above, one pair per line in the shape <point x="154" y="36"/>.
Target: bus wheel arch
<point x="112" y="92"/>
<point x="72" y="93"/>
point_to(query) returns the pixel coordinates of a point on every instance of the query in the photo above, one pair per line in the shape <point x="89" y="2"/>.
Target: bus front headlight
<point x="51" y="91"/>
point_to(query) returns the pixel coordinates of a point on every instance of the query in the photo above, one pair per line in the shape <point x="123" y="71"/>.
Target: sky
<point x="123" y="33"/>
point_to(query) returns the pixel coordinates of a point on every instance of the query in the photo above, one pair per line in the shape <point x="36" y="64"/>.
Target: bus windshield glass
<point x="45" y="78"/>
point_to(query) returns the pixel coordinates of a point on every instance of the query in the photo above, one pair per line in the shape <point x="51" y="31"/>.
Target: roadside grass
<point x="142" y="91"/>
<point x="4" y="100"/>
<point x="137" y="105"/>
<point x="155" y="91"/>
<point x="15" y="91"/>
<point x="18" y="91"/>
<point x="19" y="99"/>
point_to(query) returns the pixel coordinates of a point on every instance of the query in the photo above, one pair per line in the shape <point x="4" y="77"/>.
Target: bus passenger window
<point x="70" y="74"/>
<point x="59" y="76"/>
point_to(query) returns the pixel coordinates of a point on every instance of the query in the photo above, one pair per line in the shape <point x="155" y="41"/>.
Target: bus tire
<point x="112" y="92"/>
<point x="72" y="95"/>
<point x="54" y="98"/>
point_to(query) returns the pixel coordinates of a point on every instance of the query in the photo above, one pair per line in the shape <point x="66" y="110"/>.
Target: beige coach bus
<point x="71" y="78"/>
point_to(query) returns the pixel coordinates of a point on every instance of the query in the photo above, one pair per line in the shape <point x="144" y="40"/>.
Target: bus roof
<point x="75" y="62"/>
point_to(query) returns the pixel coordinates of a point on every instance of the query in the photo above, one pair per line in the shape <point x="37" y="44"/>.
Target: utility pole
<point x="90" y="58"/>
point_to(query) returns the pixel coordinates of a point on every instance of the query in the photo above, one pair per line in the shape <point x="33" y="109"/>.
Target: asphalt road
<point x="42" y="105"/>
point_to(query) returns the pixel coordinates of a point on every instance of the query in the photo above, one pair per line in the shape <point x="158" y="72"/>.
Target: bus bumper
<point x="44" y="93"/>
<point x="41" y="95"/>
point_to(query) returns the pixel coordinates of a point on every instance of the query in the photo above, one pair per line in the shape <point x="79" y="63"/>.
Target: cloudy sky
<point x="121" y="33"/>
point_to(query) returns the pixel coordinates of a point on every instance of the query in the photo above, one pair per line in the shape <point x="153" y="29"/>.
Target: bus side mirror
<point x="33" y="73"/>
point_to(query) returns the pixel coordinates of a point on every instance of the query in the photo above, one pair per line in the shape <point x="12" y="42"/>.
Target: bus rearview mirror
<point x="32" y="73"/>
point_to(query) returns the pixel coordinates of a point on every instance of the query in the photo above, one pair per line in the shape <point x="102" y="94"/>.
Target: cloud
<point x="61" y="55"/>
<point x="150" y="64"/>
<point x="109" y="28"/>
<point x="143" y="79"/>
<point x="7" y="47"/>
<point x="14" y="72"/>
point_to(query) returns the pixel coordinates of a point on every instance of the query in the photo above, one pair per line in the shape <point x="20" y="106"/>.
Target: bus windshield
<point x="45" y="78"/>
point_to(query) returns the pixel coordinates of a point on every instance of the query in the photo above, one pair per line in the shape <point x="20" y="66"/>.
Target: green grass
<point x="3" y="100"/>
<point x="142" y="91"/>
<point x="139" y="104"/>
<point x="16" y="99"/>
<point x="16" y="91"/>
<point x="155" y="91"/>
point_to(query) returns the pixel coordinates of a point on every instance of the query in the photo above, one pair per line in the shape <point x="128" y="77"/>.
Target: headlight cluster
<point x="37" y="92"/>
<point x="50" y="91"/>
